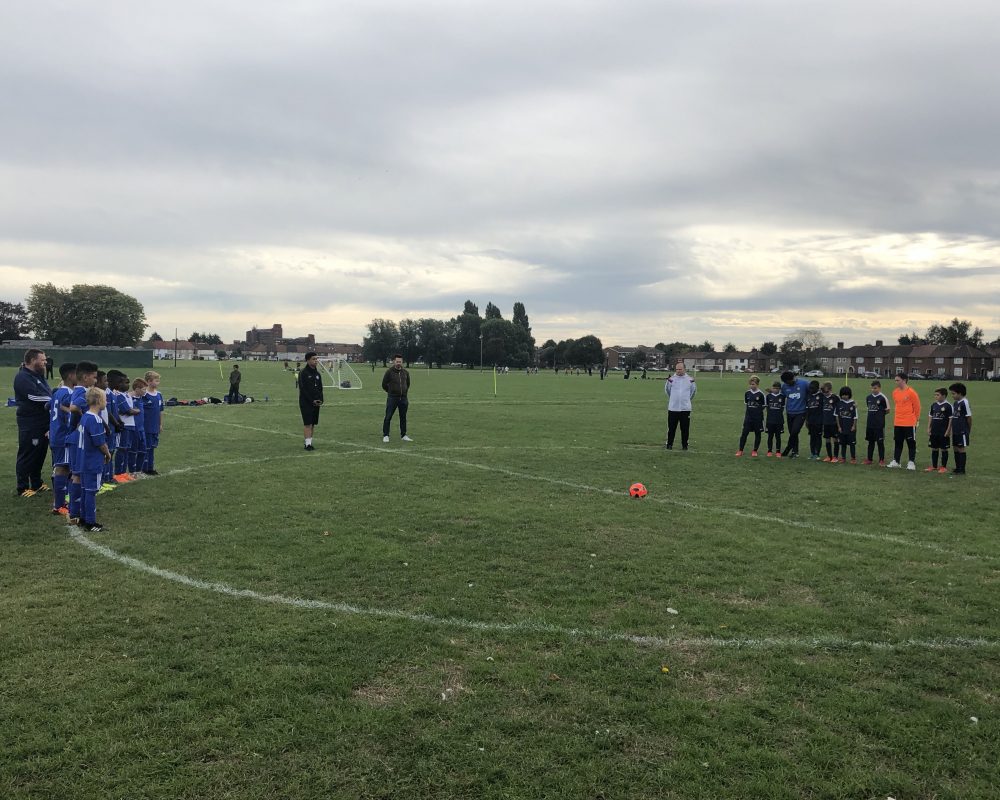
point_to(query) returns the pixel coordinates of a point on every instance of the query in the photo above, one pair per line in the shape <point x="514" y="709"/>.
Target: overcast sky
<point x="644" y="171"/>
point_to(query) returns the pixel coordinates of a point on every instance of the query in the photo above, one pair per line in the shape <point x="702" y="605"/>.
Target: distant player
<point x="961" y="425"/>
<point x="829" y="402"/>
<point x="878" y="407"/>
<point x="753" y="418"/>
<point x="775" y="402"/>
<point x="59" y="428"/>
<point x="847" y="426"/>
<point x="152" y="414"/>
<point x="939" y="430"/>
<point x="906" y="415"/>
<point x="92" y="456"/>
<point x="814" y="420"/>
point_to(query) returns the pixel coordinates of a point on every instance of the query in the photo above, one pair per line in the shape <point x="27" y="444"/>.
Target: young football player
<point x="939" y="430"/>
<point x="847" y="426"/>
<point x="775" y="402"/>
<point x="961" y="425"/>
<point x="878" y="407"/>
<point x="753" y="418"/>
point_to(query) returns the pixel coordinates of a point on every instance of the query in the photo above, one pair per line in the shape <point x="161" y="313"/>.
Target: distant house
<point x="163" y="349"/>
<point x="944" y="362"/>
<point x="617" y="357"/>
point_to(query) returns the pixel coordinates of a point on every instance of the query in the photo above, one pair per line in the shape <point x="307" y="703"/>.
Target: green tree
<point x="13" y="321"/>
<point x="466" y="330"/>
<point x="498" y="341"/>
<point x="155" y="337"/>
<point x="409" y="340"/>
<point x="86" y="315"/>
<point x="913" y="338"/>
<point x="207" y="338"/>
<point x="730" y="348"/>
<point x="520" y="316"/>
<point x="791" y="353"/>
<point x="768" y="349"/>
<point x="811" y="339"/>
<point x="434" y="341"/>
<point x="673" y="350"/>
<point x="705" y="347"/>
<point x="381" y="342"/>
<point x="955" y="332"/>
<point x="492" y="312"/>
<point x="547" y="354"/>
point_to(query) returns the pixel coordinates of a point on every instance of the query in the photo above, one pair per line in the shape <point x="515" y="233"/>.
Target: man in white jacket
<point x="680" y="389"/>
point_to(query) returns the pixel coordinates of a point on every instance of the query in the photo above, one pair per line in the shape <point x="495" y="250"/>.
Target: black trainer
<point x="95" y="527"/>
<point x="309" y="447"/>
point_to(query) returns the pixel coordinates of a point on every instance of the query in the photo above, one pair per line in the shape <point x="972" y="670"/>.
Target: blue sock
<point x="59" y="490"/>
<point x="149" y="458"/>
<point x="89" y="507"/>
<point x="75" y="497"/>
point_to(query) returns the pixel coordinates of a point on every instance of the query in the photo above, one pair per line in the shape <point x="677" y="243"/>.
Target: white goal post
<point x="340" y="374"/>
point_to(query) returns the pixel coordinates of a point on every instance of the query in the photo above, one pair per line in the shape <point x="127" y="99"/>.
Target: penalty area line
<point x="534" y="626"/>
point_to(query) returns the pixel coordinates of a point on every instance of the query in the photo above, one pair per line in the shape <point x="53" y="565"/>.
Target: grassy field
<point x="484" y="613"/>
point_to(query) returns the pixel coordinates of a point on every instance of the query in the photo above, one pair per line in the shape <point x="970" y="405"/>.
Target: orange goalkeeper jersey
<point x="906" y="407"/>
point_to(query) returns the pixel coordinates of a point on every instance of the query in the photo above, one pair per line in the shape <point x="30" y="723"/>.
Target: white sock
<point x="309" y="440"/>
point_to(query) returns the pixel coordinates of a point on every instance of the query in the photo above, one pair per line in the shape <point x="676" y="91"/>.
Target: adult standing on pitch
<point x="33" y="397"/>
<point x="310" y="397"/>
<point x="396" y="384"/>
<point x="905" y="414"/>
<point x="680" y="389"/>
<point x="234" y="385"/>
<point x="795" y="390"/>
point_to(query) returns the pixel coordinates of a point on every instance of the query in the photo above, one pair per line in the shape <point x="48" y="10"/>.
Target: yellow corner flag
<point x="494" y="380"/>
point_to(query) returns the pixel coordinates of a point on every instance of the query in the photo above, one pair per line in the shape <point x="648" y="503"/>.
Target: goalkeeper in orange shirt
<point x="905" y="414"/>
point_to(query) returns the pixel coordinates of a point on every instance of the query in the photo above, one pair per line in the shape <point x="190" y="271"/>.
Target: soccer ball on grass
<point x="637" y="490"/>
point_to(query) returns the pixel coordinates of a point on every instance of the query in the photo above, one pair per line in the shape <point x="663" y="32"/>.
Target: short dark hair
<point x="845" y="391"/>
<point x="115" y="373"/>
<point x="776" y="385"/>
<point x="941" y="391"/>
<point x="787" y="376"/>
<point x="813" y="386"/>
<point x="66" y="369"/>
<point x="31" y="354"/>
<point x="397" y="355"/>
<point x="957" y="388"/>
<point x="85" y="366"/>
<point x="101" y="372"/>
<point x="310" y="354"/>
<point x="877" y="383"/>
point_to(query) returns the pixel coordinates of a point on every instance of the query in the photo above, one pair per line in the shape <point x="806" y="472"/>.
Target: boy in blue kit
<point x="137" y="452"/>
<point x="152" y="413"/>
<point x="126" y="413"/>
<point x="86" y="378"/>
<point x="939" y="430"/>
<point x="115" y="421"/>
<point x="878" y="407"/>
<point x="829" y="402"/>
<point x="102" y="383"/>
<point x="847" y="426"/>
<point x="753" y="419"/>
<point x="775" y="402"/>
<point x="59" y="428"/>
<point x="93" y="455"/>
<point x="961" y="425"/>
<point x="814" y="420"/>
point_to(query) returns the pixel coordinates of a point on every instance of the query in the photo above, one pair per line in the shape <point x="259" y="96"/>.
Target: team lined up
<point x="103" y="431"/>
<point x="833" y="419"/>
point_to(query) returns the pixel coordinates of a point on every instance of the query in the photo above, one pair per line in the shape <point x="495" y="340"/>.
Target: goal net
<point x="339" y="374"/>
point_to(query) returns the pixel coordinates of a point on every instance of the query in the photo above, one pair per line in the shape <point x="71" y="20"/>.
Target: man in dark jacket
<point x="310" y="397"/>
<point x="234" y="385"/>
<point x="396" y="384"/>
<point x="33" y="397"/>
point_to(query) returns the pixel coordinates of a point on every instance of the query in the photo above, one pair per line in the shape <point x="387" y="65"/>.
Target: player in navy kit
<point x="961" y="425"/>
<point x="847" y="426"/>
<point x="775" y="420"/>
<point x="940" y="430"/>
<point x="814" y="420"/>
<point x="878" y="407"/>
<point x="753" y="419"/>
<point x="829" y="402"/>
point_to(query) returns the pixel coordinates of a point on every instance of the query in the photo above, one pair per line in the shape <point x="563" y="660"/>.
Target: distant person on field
<point x="775" y="401"/>
<point x="49" y="366"/>
<point x="234" y="385"/>
<point x="753" y="417"/>
<point x="905" y="417"/>
<point x="396" y="385"/>
<point x="795" y="390"/>
<point x="878" y="407"/>
<point x="961" y="425"/>
<point x="939" y="430"/>
<point x="814" y="420"/>
<point x="680" y="389"/>
<point x="847" y="425"/>
<point x="310" y="398"/>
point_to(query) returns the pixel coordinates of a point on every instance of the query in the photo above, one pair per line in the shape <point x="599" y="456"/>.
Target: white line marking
<point x="734" y="512"/>
<point x="532" y="626"/>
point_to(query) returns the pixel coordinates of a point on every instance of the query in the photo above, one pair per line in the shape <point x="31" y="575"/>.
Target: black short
<point x="848" y="437"/>
<point x="310" y="414"/>
<point x="960" y="439"/>
<point x="830" y="431"/>
<point x="938" y="441"/>
<point x="875" y="434"/>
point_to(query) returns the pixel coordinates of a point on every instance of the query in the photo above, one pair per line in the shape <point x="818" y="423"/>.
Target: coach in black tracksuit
<point x="396" y="384"/>
<point x="310" y="397"/>
<point x="33" y="397"/>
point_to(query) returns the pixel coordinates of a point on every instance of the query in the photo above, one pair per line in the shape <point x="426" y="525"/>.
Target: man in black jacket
<point x="396" y="384"/>
<point x="310" y="397"/>
<point x="33" y="397"/>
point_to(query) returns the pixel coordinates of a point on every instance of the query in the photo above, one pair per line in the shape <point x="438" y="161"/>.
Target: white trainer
<point x="910" y="465"/>
<point x="407" y="439"/>
<point x="892" y="464"/>
<point x="385" y="440"/>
